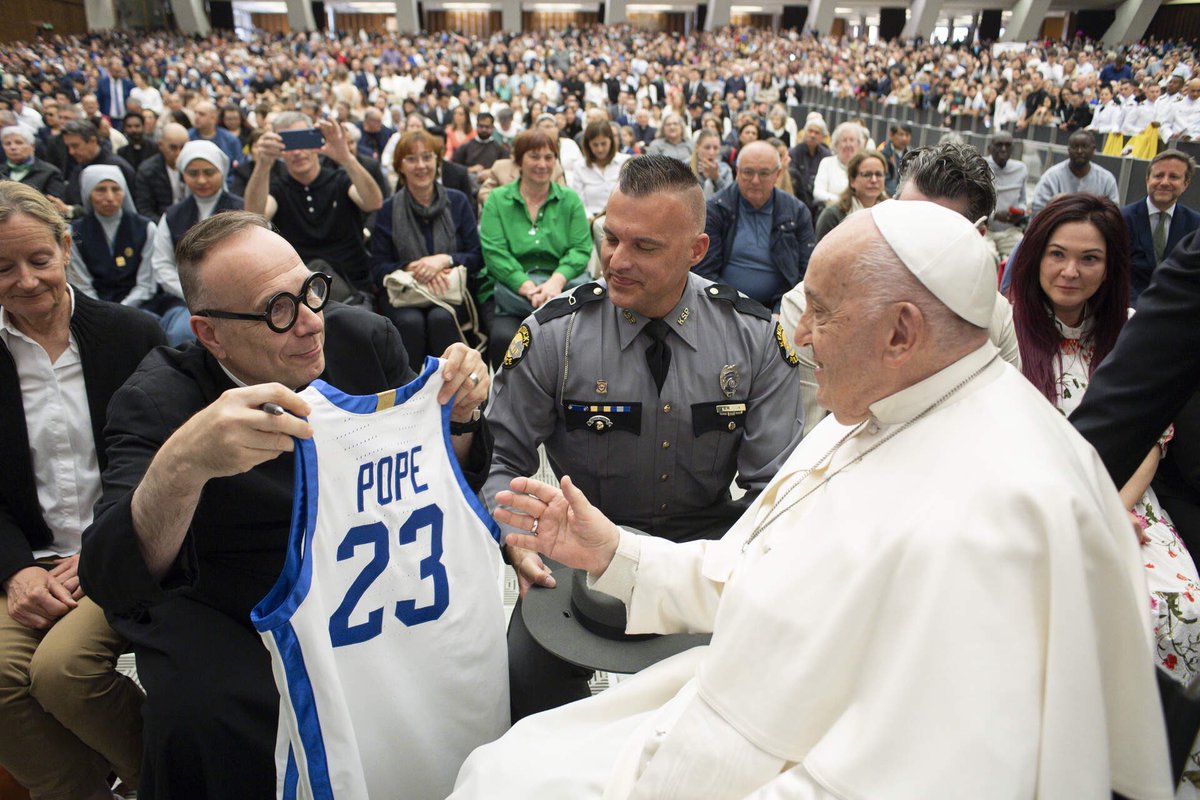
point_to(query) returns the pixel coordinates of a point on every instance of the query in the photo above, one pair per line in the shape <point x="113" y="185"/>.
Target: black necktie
<point x="658" y="354"/>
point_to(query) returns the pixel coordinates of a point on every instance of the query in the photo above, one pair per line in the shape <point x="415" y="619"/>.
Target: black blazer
<point x="456" y="176"/>
<point x="153" y="195"/>
<point x="234" y="549"/>
<point x="112" y="341"/>
<point x="44" y="176"/>
<point x="1153" y="370"/>
<point x="1141" y="241"/>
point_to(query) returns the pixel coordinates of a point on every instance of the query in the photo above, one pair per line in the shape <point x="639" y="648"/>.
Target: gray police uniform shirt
<point x="575" y="378"/>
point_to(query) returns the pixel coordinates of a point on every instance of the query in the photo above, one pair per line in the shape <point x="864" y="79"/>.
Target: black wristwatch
<point x="460" y="428"/>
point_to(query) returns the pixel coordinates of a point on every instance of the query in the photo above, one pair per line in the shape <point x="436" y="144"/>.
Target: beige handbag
<point x="405" y="291"/>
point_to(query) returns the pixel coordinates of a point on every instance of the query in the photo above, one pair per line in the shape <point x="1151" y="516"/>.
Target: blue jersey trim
<point x="291" y="777"/>
<point x="292" y="586"/>
<point x="468" y="495"/>
<point x="368" y="403"/>
<point x="304" y="704"/>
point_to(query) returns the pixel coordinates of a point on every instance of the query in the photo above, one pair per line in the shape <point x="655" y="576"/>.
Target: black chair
<point x="1042" y="133"/>
<point x="1138" y="170"/>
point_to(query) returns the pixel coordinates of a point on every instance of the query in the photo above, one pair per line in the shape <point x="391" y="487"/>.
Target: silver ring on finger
<point x="474" y="379"/>
<point x="533" y="530"/>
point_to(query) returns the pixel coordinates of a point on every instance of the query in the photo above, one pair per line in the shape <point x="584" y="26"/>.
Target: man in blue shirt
<point x="207" y="129"/>
<point x="759" y="237"/>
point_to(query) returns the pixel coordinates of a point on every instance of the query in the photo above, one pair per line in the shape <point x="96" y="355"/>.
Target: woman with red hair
<point x="1070" y="294"/>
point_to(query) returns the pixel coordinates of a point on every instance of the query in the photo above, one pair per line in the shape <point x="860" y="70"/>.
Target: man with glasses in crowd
<point x="759" y="238"/>
<point x="192" y="526"/>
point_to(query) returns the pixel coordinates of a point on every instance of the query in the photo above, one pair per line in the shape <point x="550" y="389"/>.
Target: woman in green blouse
<point x="536" y="241"/>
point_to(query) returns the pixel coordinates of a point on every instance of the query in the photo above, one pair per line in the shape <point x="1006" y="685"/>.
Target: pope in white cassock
<point x="938" y="596"/>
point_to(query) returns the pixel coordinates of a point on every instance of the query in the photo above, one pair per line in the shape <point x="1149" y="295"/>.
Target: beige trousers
<point x="67" y="717"/>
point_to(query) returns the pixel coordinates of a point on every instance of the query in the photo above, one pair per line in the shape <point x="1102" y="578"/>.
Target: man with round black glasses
<point x="191" y="530"/>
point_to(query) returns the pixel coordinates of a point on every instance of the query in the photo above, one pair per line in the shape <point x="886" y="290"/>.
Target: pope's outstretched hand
<point x="563" y="525"/>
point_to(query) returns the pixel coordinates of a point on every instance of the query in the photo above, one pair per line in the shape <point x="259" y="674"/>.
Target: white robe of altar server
<point x="960" y="614"/>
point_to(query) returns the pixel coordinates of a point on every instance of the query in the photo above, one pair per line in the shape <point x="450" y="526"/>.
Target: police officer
<point x="652" y="389"/>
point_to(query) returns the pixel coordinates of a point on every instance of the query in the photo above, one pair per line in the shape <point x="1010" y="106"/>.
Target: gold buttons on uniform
<point x="597" y="290"/>
<point x="666" y="445"/>
<point x="662" y="477"/>
<point x="666" y="408"/>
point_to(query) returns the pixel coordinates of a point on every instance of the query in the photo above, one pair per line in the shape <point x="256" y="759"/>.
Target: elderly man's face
<point x="847" y="339"/>
<point x="300" y="162"/>
<point x="650" y="244"/>
<point x="758" y="167"/>
<point x="242" y="275"/>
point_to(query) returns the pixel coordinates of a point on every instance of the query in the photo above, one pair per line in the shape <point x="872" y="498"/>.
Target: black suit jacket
<point x="112" y="341"/>
<point x="153" y="194"/>
<point x="456" y="176"/>
<point x="234" y="549"/>
<point x="1141" y="241"/>
<point x="1153" y="370"/>
<point x="44" y="177"/>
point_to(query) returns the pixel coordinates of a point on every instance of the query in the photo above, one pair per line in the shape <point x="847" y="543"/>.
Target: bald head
<point x="172" y="139"/>
<point x="873" y="327"/>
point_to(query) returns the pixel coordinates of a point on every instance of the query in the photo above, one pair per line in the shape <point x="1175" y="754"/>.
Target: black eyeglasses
<point x="283" y="308"/>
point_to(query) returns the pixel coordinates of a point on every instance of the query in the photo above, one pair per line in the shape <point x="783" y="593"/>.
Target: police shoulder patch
<point x="518" y="347"/>
<point x="785" y="347"/>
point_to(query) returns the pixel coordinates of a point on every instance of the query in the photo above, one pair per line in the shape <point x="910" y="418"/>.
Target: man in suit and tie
<point x="694" y="89"/>
<point x="113" y="92"/>
<point x="1159" y="222"/>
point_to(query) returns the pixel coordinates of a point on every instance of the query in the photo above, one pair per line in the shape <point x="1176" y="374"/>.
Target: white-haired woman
<point x="832" y="180"/>
<point x="22" y="166"/>
<point x="672" y="140"/>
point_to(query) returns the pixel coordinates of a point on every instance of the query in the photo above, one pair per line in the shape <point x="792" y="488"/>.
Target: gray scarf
<point x="407" y="236"/>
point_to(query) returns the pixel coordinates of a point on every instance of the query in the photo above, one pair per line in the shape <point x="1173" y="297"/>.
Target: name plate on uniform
<point x="719" y="416"/>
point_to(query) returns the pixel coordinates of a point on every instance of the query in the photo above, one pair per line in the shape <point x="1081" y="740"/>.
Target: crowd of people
<point x="215" y="195"/>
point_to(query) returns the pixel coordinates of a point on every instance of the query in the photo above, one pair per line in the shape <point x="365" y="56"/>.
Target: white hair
<point x="852" y="127"/>
<point x="17" y="130"/>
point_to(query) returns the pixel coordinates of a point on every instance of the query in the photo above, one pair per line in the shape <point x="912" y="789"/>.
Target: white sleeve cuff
<point x="617" y="581"/>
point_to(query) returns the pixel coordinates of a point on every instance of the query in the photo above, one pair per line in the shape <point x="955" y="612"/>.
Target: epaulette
<point x="741" y="303"/>
<point x="569" y="304"/>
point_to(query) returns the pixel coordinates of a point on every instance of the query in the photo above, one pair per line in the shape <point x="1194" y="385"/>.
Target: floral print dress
<point x="1170" y="572"/>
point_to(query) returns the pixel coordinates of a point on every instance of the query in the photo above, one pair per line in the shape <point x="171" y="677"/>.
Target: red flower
<point x="1170" y="661"/>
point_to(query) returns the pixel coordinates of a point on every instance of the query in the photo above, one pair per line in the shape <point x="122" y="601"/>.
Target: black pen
<point x="272" y="408"/>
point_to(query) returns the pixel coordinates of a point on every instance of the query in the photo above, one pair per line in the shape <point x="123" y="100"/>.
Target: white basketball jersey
<point x="386" y="627"/>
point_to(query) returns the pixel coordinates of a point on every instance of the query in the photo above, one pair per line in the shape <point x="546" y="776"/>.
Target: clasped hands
<point x="562" y="525"/>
